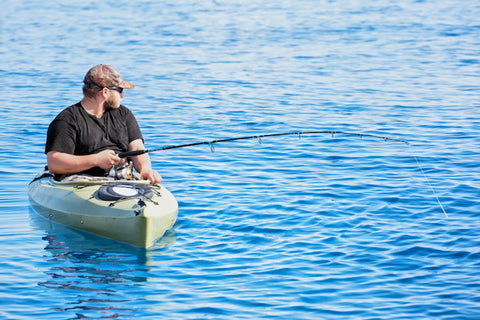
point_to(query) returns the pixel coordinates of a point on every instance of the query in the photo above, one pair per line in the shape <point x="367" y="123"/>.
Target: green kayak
<point x="129" y="211"/>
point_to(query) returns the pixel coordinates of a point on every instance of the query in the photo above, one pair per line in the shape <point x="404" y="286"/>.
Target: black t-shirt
<point x="77" y="132"/>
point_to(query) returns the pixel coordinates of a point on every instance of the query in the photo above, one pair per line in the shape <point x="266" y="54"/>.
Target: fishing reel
<point x="122" y="171"/>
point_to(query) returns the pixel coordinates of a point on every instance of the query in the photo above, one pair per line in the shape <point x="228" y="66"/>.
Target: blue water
<point x="322" y="227"/>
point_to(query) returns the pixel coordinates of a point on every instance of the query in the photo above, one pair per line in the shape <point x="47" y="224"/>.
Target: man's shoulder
<point x="69" y="113"/>
<point x="123" y="108"/>
<point x="121" y="111"/>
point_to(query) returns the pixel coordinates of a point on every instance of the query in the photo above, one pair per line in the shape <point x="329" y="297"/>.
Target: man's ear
<point x="104" y="93"/>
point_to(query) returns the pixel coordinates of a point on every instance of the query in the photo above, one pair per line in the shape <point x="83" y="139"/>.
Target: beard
<point x="113" y="102"/>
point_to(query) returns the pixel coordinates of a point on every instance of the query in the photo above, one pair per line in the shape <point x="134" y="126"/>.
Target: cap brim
<point x="127" y="85"/>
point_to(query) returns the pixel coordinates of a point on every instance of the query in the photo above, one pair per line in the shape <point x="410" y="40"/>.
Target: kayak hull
<point x="138" y="220"/>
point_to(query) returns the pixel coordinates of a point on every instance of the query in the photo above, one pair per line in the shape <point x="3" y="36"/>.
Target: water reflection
<point x="93" y="275"/>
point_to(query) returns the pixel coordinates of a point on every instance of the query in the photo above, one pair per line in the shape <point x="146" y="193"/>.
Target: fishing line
<point x="299" y="133"/>
<point x="428" y="182"/>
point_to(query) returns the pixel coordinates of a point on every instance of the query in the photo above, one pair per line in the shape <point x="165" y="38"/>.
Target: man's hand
<point x="152" y="175"/>
<point x="107" y="159"/>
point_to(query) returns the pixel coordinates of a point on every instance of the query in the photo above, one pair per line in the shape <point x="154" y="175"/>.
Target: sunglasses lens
<point x="120" y="90"/>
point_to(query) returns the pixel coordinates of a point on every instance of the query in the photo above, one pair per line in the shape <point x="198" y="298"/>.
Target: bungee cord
<point x="212" y="143"/>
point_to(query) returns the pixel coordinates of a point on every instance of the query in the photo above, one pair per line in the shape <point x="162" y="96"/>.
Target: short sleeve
<point x="61" y="137"/>
<point x="134" y="131"/>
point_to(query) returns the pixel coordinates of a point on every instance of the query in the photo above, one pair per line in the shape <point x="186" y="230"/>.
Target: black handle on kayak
<point x="131" y="153"/>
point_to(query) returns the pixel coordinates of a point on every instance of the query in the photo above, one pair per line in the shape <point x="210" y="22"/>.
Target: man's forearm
<point x="64" y="163"/>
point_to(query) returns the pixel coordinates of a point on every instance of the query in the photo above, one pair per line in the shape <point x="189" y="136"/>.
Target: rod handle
<point x="131" y="153"/>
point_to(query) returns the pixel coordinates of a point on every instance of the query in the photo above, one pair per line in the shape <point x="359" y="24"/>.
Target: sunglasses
<point x="120" y="90"/>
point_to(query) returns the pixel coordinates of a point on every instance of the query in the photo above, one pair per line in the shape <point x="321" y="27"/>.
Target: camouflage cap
<point x="104" y="76"/>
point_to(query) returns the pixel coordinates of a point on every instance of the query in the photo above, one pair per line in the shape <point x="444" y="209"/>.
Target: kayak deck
<point x="129" y="211"/>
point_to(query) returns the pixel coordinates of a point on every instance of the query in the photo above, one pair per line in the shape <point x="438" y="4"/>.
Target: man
<point x="87" y="136"/>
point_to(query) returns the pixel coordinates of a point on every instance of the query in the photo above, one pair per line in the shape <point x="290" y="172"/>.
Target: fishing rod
<point x="299" y="133"/>
<point x="259" y="137"/>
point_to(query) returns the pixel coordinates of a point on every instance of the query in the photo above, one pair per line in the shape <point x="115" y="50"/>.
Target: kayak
<point x="131" y="211"/>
